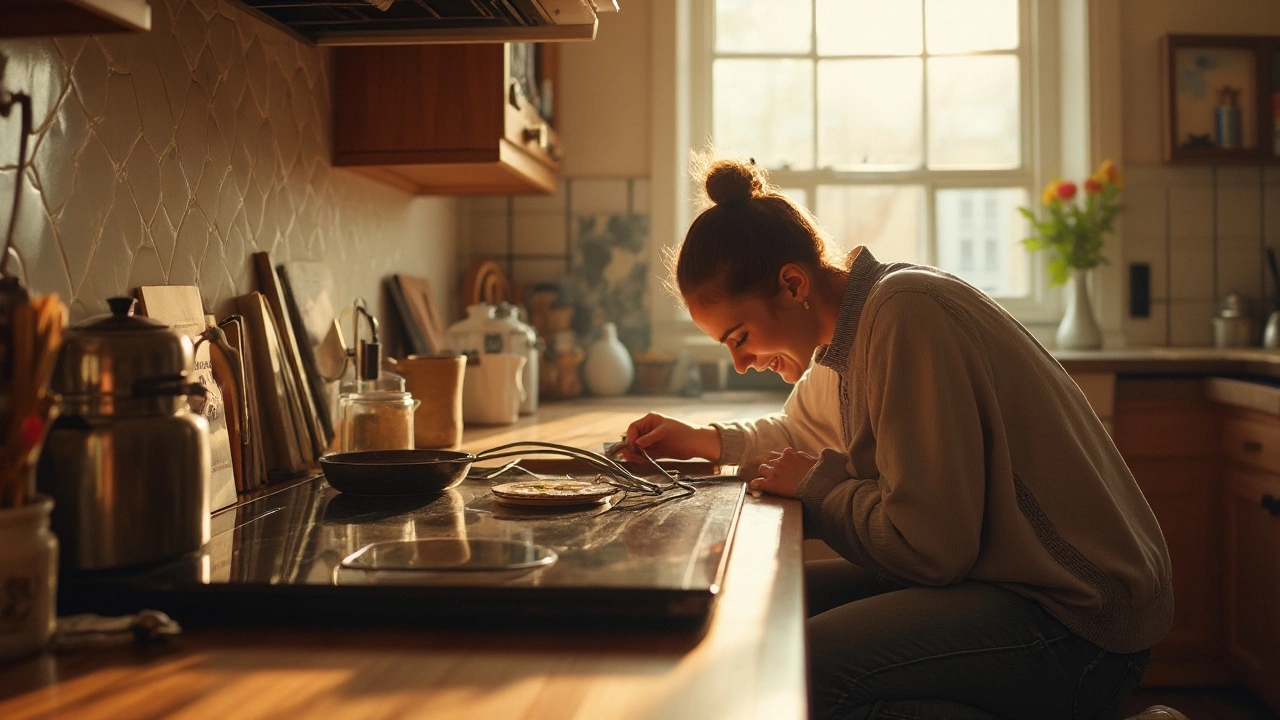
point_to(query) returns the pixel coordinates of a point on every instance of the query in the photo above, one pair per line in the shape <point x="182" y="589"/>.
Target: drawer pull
<point x="1271" y="504"/>
<point x="1252" y="446"/>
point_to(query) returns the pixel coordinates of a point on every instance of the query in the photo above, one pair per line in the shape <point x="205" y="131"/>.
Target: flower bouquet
<point x="1074" y="231"/>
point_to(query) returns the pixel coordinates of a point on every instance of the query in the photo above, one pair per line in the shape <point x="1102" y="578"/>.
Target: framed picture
<point x="1219" y="98"/>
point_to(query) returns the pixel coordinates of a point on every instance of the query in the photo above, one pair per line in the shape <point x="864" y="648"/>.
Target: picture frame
<point x="1219" y="95"/>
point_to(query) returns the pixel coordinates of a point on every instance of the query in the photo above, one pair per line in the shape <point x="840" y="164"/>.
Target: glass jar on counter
<point x="376" y="420"/>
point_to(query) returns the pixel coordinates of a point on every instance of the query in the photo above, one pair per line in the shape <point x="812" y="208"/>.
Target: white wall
<point x="604" y="91"/>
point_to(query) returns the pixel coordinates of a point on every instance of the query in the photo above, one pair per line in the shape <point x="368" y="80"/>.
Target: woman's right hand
<point x="664" y="437"/>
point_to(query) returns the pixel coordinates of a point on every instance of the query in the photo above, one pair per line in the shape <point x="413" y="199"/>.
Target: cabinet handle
<point x="1252" y="446"/>
<point x="540" y="134"/>
<point x="1270" y="504"/>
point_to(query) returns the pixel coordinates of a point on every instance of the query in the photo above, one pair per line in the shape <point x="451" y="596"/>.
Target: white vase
<point x="28" y="578"/>
<point x="608" y="369"/>
<point x="1078" y="329"/>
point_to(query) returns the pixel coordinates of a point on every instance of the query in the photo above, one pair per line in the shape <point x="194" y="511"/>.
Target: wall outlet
<point x="1139" y="290"/>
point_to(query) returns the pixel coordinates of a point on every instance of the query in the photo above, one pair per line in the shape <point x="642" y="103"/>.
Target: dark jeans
<point x="970" y="651"/>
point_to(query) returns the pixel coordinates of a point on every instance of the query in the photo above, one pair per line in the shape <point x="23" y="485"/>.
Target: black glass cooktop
<point x="310" y="553"/>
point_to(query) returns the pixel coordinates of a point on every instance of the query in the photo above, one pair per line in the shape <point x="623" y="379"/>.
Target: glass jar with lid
<point x="376" y="420"/>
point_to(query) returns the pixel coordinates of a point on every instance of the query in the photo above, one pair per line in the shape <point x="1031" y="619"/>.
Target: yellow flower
<point x="1108" y="172"/>
<point x="1050" y="194"/>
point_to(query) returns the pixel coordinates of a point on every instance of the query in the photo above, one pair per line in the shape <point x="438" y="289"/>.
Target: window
<point x="909" y="126"/>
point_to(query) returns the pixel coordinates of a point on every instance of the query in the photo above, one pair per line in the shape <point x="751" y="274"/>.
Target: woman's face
<point x="761" y="334"/>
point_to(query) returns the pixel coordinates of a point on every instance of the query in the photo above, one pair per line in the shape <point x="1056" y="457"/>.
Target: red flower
<point x="1093" y="187"/>
<point x="1066" y="190"/>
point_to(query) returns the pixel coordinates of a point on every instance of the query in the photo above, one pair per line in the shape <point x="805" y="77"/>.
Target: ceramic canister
<point x="28" y="578"/>
<point x="492" y="389"/>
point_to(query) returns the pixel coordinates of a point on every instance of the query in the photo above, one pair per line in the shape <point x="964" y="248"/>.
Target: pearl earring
<point x="806" y="304"/>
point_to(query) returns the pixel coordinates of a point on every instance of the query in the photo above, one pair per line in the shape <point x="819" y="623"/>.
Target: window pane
<point x="974" y="113"/>
<point x="980" y="236"/>
<point x="870" y="114"/>
<point x="764" y="109"/>
<point x="763" y="26"/>
<point x="869" y="27"/>
<point x="888" y="219"/>
<point x="955" y="26"/>
<point x="799" y="196"/>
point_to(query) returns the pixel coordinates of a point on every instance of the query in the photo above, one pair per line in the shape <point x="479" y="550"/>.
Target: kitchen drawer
<point x="1253" y="439"/>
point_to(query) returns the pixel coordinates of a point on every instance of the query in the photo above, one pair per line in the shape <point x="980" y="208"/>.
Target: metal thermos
<point x="126" y="462"/>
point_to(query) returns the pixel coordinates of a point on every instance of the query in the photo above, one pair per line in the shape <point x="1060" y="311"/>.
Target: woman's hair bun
<point x="729" y="182"/>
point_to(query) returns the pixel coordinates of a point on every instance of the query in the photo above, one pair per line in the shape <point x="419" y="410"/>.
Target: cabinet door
<point x="1252" y="555"/>
<point x="1184" y="495"/>
<point x="1171" y="447"/>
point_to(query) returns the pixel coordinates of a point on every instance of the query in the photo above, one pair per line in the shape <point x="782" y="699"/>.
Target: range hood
<point x="416" y="22"/>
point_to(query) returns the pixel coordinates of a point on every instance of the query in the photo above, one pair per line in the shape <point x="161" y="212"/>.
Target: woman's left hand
<point x="781" y="472"/>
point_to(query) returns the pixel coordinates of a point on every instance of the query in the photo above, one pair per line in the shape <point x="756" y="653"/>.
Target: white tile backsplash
<point x="553" y="203"/>
<point x="1191" y="216"/>
<point x="1271" y="211"/>
<point x="1191" y="323"/>
<point x="591" y="196"/>
<point x="1146" y="212"/>
<point x="489" y="234"/>
<point x="1239" y="210"/>
<point x="1219" y="220"/>
<point x="1192" y="275"/>
<point x="540" y="234"/>
<point x="1149" y="331"/>
<point x="1240" y="271"/>
<point x="1154" y="252"/>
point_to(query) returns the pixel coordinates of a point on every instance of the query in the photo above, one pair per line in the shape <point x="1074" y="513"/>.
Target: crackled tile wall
<point x="169" y="157"/>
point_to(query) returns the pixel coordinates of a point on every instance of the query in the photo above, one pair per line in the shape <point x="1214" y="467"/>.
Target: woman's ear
<point x="793" y="283"/>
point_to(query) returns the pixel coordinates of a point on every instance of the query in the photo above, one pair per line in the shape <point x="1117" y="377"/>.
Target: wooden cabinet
<point x="445" y="119"/>
<point x="1171" y="447"/>
<point x="24" y="18"/>
<point x="1251" y="527"/>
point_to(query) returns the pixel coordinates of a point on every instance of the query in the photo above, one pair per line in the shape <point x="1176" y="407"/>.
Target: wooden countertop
<point x="1173" y="361"/>
<point x="750" y="664"/>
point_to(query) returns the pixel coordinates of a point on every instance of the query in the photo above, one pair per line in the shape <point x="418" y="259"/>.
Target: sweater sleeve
<point x="921" y="519"/>
<point x="809" y="421"/>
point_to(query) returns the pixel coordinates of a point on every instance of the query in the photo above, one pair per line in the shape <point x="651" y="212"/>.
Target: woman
<point x="998" y="557"/>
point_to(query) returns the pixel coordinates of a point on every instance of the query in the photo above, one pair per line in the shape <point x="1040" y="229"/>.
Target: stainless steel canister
<point x="126" y="462"/>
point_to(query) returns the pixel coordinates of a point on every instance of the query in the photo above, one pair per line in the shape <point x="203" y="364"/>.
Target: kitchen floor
<point x="1230" y="703"/>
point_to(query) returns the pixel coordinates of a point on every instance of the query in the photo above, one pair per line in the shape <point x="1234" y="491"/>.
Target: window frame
<point x="1040" y="85"/>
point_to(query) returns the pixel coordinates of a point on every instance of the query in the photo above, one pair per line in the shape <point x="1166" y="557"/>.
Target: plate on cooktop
<point x="552" y="492"/>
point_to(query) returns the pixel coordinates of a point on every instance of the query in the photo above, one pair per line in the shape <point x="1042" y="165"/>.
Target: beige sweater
<point x="954" y="447"/>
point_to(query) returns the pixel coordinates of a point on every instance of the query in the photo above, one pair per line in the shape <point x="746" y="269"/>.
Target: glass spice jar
<point x="376" y="420"/>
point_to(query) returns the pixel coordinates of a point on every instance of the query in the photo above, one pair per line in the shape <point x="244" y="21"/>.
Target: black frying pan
<point x="421" y="472"/>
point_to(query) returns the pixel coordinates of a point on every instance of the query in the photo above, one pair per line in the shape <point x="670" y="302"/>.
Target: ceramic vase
<point x="1078" y="329"/>
<point x="28" y="578"/>
<point x="608" y="369"/>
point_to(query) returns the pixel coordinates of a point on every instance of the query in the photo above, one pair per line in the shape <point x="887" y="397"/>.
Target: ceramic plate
<point x="552" y="492"/>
